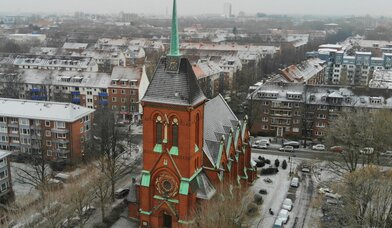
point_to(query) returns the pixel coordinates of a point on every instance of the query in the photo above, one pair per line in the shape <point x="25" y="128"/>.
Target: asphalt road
<point x="317" y="155"/>
<point x="309" y="154"/>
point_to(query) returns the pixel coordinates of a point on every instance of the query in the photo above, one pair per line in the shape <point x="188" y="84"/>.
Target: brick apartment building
<point x="298" y="110"/>
<point x="57" y="128"/>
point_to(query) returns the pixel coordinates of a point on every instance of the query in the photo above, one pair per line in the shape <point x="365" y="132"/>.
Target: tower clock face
<point x="166" y="185"/>
<point x="172" y="63"/>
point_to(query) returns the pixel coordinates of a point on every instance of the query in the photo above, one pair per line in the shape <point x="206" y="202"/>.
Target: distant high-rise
<point x="227" y="9"/>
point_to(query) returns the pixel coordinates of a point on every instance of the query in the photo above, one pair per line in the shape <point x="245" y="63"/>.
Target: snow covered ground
<point x="277" y="190"/>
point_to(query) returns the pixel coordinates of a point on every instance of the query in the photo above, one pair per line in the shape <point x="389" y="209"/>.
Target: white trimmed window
<point x="60" y="124"/>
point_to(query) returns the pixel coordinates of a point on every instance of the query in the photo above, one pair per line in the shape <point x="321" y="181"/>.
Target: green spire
<point x="175" y="43"/>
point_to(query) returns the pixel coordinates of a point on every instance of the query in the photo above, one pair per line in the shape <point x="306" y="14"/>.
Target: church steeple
<point x="174" y="43"/>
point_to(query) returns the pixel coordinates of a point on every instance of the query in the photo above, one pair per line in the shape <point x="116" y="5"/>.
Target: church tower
<point x="173" y="112"/>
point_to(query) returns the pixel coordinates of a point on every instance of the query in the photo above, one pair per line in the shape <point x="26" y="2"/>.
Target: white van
<point x="294" y="182"/>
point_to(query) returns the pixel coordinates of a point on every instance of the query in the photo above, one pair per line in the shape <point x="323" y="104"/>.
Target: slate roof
<point x="177" y="88"/>
<point x="218" y="120"/>
<point x="203" y="186"/>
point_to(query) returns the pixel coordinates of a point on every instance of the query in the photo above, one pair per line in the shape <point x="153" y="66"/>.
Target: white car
<point x="367" y="150"/>
<point x="294" y="182"/>
<point x="263" y="141"/>
<point x="386" y="153"/>
<point x="287" y="204"/>
<point x="287" y="149"/>
<point x="318" y="147"/>
<point x="324" y="190"/>
<point x="262" y="146"/>
<point x="278" y="223"/>
<point x="284" y="215"/>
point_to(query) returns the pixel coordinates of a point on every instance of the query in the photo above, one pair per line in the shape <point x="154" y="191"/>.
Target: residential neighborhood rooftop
<point x="42" y="110"/>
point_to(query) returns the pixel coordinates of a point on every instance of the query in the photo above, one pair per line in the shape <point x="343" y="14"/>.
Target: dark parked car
<point x="292" y="143"/>
<point x="121" y="193"/>
<point x="336" y="149"/>
<point x="263" y="191"/>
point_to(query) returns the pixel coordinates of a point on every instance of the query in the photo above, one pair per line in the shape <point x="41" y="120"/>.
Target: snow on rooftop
<point x="4" y="153"/>
<point x="42" y="110"/>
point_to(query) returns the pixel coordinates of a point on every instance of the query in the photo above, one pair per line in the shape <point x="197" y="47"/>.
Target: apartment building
<point x="311" y="71"/>
<point x="121" y="90"/>
<point x="354" y="69"/>
<point x="298" y="110"/>
<point x="5" y="176"/>
<point x="63" y="63"/>
<point x="58" y="129"/>
<point x="277" y="110"/>
<point x="209" y="75"/>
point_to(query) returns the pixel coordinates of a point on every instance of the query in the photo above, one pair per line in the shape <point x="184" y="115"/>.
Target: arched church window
<point x="197" y="130"/>
<point x="158" y="130"/>
<point x="175" y="132"/>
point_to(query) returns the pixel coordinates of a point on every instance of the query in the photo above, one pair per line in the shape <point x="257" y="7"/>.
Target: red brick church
<point x="191" y="146"/>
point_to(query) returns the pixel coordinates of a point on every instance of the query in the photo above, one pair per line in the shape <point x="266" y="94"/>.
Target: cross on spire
<point x="174" y="43"/>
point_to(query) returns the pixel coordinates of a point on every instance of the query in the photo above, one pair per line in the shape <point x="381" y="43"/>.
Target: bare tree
<point x="37" y="172"/>
<point x="53" y="208"/>
<point x="366" y="197"/>
<point x="103" y="194"/>
<point x="220" y="212"/>
<point x="109" y="144"/>
<point x="11" y="82"/>
<point x="81" y="199"/>
<point x="355" y="131"/>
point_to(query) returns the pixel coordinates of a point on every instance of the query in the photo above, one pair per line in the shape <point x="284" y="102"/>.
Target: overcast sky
<point x="187" y="7"/>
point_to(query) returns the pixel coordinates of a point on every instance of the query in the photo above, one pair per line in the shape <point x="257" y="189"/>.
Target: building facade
<point x="5" y="176"/>
<point x="58" y="129"/>
<point x="121" y="90"/>
<point x="291" y="110"/>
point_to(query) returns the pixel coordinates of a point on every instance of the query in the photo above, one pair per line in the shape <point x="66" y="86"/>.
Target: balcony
<point x="75" y="100"/>
<point x="36" y="90"/>
<point x="61" y="131"/>
<point x="62" y="153"/>
<point x="64" y="141"/>
<point x="103" y="94"/>
<point x="75" y="93"/>
<point x="13" y="124"/>
<point x="38" y="98"/>
<point x="13" y="134"/>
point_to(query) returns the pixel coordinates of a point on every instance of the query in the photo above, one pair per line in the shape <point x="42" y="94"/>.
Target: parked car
<point x="387" y="153"/>
<point x="278" y="223"/>
<point x="71" y="222"/>
<point x="305" y="169"/>
<point x="287" y="204"/>
<point x="324" y="190"/>
<point x="294" y="144"/>
<point x="284" y="215"/>
<point x="336" y="149"/>
<point x="287" y="149"/>
<point x="294" y="182"/>
<point x="121" y="193"/>
<point x="267" y="180"/>
<point x="367" y="150"/>
<point x="263" y="191"/>
<point x="262" y="146"/>
<point x="263" y="141"/>
<point x="318" y="147"/>
<point x="88" y="210"/>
